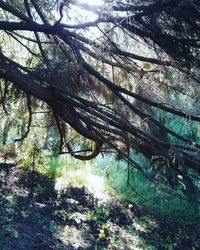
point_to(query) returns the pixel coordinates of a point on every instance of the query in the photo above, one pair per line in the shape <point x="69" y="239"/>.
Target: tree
<point x="110" y="79"/>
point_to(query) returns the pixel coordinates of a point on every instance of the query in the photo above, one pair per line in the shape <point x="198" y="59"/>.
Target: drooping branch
<point x="80" y="99"/>
<point x="93" y="155"/>
<point x="28" y="98"/>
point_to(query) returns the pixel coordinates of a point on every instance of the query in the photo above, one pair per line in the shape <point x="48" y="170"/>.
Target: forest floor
<point x="34" y="216"/>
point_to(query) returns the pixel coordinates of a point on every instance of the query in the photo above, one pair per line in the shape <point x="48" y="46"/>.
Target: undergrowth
<point x="159" y="198"/>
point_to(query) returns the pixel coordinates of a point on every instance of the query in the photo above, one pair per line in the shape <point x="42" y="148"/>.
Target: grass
<point x="40" y="218"/>
<point x="160" y="199"/>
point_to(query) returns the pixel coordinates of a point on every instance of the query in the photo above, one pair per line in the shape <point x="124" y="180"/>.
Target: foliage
<point x="126" y="82"/>
<point x="159" y="196"/>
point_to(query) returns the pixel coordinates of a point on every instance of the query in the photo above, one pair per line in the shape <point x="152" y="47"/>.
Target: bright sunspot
<point x="93" y="2"/>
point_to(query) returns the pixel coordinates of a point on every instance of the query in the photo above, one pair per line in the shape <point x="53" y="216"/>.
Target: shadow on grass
<point x="26" y="222"/>
<point x="34" y="216"/>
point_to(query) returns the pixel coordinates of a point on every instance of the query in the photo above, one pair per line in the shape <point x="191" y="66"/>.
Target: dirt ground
<point x="34" y="216"/>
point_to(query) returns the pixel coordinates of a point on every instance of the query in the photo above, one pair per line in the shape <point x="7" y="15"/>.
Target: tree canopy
<point x="124" y="75"/>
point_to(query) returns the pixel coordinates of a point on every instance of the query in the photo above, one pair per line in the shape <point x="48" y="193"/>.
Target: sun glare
<point x="88" y="12"/>
<point x="93" y="2"/>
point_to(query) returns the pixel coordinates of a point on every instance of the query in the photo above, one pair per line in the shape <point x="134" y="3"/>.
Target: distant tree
<point x="119" y="80"/>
